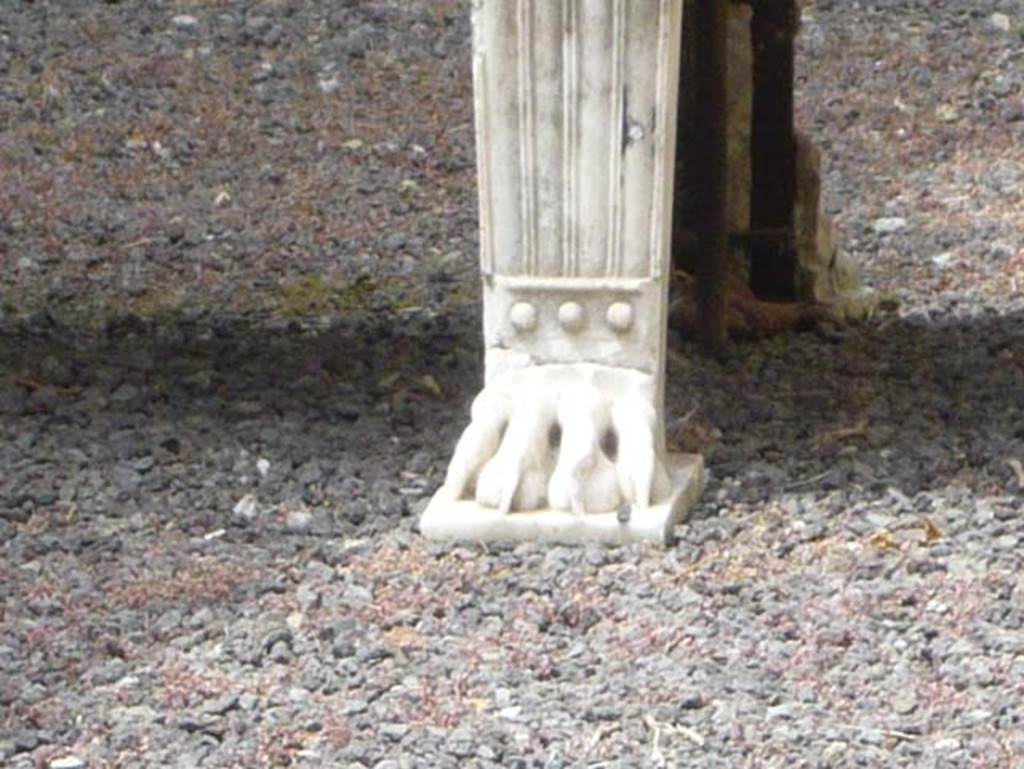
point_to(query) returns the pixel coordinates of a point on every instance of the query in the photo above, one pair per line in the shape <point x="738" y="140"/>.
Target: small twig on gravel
<point x="602" y="731"/>
<point x="684" y="731"/>
<point x="657" y="757"/>
<point x="842" y="434"/>
<point x="691" y="734"/>
<point x="685" y="419"/>
<point x="898" y="735"/>
<point x="807" y="481"/>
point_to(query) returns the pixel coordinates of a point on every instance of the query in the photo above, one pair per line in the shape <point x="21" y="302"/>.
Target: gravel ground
<point x="239" y="335"/>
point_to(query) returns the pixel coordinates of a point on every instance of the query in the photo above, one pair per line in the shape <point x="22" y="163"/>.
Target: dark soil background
<point x="239" y="334"/>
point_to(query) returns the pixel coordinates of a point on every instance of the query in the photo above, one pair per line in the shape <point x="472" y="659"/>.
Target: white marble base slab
<point x="466" y="521"/>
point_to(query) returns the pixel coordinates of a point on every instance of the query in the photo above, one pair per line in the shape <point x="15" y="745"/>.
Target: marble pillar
<point x="575" y="104"/>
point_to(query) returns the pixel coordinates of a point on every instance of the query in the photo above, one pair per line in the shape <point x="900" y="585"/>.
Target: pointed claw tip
<point x="576" y="503"/>
<point x="505" y="507"/>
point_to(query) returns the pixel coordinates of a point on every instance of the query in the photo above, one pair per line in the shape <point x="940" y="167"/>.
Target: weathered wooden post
<point x="780" y="239"/>
<point x="773" y="148"/>
<point x="710" y="37"/>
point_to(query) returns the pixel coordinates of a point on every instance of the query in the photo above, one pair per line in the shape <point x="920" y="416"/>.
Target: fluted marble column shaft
<point x="575" y="120"/>
<point x="575" y="125"/>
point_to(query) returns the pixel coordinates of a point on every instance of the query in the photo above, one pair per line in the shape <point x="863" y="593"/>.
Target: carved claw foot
<point x="577" y="438"/>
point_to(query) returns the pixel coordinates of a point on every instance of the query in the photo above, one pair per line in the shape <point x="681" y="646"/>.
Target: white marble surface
<point x="575" y="104"/>
<point x="467" y="521"/>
